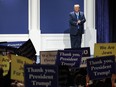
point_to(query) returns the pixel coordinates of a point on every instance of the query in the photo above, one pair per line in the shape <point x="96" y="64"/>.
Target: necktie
<point x="77" y="14"/>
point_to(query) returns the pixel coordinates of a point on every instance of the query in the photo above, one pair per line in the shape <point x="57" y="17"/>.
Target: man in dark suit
<point x="76" y="21"/>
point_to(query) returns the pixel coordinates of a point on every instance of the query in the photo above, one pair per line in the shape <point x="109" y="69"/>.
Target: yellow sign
<point x="4" y="63"/>
<point x="17" y="67"/>
<point x="104" y="49"/>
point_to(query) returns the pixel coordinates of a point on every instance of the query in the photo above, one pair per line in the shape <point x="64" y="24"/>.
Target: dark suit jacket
<point x="73" y="23"/>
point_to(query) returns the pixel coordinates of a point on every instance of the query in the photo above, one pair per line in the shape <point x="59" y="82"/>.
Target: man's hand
<point x="79" y="21"/>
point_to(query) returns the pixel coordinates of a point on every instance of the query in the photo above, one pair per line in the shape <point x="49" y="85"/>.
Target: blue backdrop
<point x="13" y="16"/>
<point x="54" y="15"/>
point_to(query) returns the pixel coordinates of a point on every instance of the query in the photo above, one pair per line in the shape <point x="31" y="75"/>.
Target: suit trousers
<point x="76" y="40"/>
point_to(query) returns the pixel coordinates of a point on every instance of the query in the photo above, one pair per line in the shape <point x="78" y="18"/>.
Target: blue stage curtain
<point x="102" y="21"/>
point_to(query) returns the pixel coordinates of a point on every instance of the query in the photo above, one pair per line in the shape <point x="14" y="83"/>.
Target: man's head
<point x="76" y="7"/>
